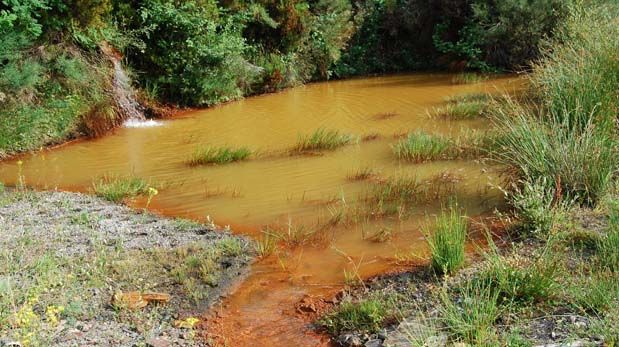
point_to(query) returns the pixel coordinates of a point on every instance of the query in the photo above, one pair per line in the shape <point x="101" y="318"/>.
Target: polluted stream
<point x="316" y="214"/>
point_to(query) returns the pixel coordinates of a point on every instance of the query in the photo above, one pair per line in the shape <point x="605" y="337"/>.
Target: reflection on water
<point x="282" y="190"/>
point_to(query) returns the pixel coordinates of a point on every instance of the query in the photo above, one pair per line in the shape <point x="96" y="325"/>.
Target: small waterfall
<point x="124" y="94"/>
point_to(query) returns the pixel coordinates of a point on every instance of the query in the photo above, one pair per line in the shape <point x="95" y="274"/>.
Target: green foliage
<point x="365" y="316"/>
<point x="190" y="55"/>
<point x="534" y="204"/>
<point x="219" y="155"/>
<point x="419" y="147"/>
<point x="117" y="188"/>
<point x="447" y="241"/>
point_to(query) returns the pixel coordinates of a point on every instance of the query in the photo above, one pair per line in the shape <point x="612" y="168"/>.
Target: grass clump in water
<point x="447" y="241"/>
<point x="322" y="139"/>
<point x="118" y="188"/>
<point x="219" y="155"/>
<point x="420" y="147"/>
<point x="467" y="106"/>
<point x="468" y="78"/>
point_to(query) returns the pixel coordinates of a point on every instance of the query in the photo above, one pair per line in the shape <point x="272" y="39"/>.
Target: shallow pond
<point x="310" y="199"/>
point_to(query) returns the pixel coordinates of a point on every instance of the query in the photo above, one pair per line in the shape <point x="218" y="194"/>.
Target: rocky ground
<point x="79" y="271"/>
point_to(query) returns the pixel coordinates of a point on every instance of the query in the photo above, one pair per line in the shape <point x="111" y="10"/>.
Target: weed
<point x="231" y="247"/>
<point x="419" y="147"/>
<point x="118" y="188"/>
<point x="471" y="314"/>
<point x="534" y="205"/>
<point x="521" y="283"/>
<point x="366" y="316"/>
<point x="447" y="241"/>
<point x="322" y="139"/>
<point x="219" y="155"/>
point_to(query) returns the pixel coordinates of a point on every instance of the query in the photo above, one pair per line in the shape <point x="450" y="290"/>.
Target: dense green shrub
<point x="189" y="55"/>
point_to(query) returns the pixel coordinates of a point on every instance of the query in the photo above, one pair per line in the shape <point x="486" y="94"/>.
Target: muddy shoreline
<point x="66" y="255"/>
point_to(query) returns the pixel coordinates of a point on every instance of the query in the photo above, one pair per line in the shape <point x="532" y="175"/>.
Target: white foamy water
<point x="139" y="123"/>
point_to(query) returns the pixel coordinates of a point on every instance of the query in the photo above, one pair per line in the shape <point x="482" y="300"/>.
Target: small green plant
<point x="470" y="314"/>
<point x="231" y="247"/>
<point x="419" y="147"/>
<point x="322" y="139"/>
<point x="534" y="206"/>
<point x="117" y="188"/>
<point x="447" y="241"/>
<point x="365" y="316"/>
<point x="219" y="155"/>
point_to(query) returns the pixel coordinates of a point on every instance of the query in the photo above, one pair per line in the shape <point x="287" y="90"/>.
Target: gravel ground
<point x="74" y="252"/>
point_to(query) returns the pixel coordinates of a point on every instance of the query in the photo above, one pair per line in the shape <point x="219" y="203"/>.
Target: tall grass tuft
<point x="419" y="147"/>
<point x="579" y="163"/>
<point x="218" y="155"/>
<point x="447" y="241"/>
<point x="569" y="139"/>
<point x="118" y="188"/>
<point x="471" y="315"/>
<point x="581" y="72"/>
<point x="322" y="139"/>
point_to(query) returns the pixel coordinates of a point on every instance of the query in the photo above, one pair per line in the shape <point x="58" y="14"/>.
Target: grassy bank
<point x="555" y="279"/>
<point x="77" y="269"/>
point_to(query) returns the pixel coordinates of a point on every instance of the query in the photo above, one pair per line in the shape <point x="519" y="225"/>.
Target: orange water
<point x="279" y="190"/>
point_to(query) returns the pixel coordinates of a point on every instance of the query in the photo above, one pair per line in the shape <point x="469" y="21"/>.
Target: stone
<point x="158" y="342"/>
<point x="350" y="340"/>
<point x="374" y="343"/>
